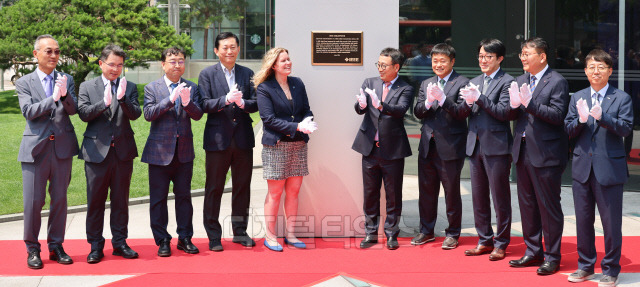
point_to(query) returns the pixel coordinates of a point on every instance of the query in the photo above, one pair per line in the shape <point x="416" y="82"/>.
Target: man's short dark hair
<point x="112" y="49"/>
<point x="396" y="56"/>
<point x="600" y="56"/>
<point x="494" y="46"/>
<point x="538" y="43"/>
<point x="226" y="35"/>
<point x="171" y="51"/>
<point x="445" y="49"/>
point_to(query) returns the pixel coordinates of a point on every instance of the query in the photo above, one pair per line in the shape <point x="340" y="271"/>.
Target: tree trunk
<point x="206" y="43"/>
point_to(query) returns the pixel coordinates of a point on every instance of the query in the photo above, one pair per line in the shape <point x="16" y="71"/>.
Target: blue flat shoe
<point x="276" y="248"/>
<point x="300" y="245"/>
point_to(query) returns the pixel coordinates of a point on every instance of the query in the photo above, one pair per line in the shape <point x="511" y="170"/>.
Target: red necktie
<point x="385" y="90"/>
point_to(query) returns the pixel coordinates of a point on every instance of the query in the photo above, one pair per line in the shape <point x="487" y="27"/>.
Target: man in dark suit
<point x="108" y="104"/>
<point x="540" y="151"/>
<point x="441" y="148"/>
<point x="46" y="152"/>
<point x="489" y="147"/>
<point x="169" y="104"/>
<point x="599" y="118"/>
<point x="382" y="140"/>
<point x="228" y="99"/>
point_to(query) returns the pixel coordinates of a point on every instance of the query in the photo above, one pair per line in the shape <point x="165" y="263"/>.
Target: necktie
<point x="441" y="83"/>
<point x="596" y="97"/>
<point x="532" y="86"/>
<point x="177" y="103"/>
<point x="48" y="87"/>
<point x="114" y="99"/>
<point x="385" y="90"/>
<point x="485" y="86"/>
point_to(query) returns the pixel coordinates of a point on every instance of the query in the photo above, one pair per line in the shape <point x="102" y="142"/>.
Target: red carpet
<point x="325" y="258"/>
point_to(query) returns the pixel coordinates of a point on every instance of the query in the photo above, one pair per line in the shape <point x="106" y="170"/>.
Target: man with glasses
<point x="540" y="151"/>
<point x="599" y="117"/>
<point x="108" y="104"/>
<point x="227" y="96"/>
<point x="441" y="151"/>
<point x="382" y="140"/>
<point x="488" y="146"/>
<point x="169" y="104"/>
<point x="49" y="143"/>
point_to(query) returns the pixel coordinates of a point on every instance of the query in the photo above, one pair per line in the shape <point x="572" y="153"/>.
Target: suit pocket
<point x="456" y="131"/>
<point x="91" y="134"/>
<point x="616" y="153"/>
<point x="30" y="132"/>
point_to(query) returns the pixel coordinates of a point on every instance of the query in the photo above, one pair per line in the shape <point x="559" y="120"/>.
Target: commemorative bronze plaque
<point x="336" y="48"/>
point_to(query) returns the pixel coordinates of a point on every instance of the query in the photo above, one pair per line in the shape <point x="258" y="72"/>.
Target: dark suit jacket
<point x="446" y="122"/>
<point x="278" y="116"/>
<point x="101" y="127"/>
<point x="543" y="121"/>
<point x="46" y="117"/>
<point x="226" y="121"/>
<point x="600" y="146"/>
<point x="167" y="124"/>
<point x="389" y="123"/>
<point x="489" y="119"/>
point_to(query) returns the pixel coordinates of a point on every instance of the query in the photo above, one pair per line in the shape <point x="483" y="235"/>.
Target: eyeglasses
<point x="49" y="52"/>
<point x="174" y="63"/>
<point x="381" y="66"/>
<point x="487" y="57"/>
<point x="525" y="55"/>
<point x="601" y="68"/>
<point x="114" y="66"/>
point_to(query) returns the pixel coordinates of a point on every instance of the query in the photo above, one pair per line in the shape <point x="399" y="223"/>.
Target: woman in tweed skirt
<point x="287" y="119"/>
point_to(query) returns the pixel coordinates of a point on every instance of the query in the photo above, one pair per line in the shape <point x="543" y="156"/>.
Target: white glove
<point x="307" y="125"/>
<point x="185" y="96"/>
<point x="375" y="102"/>
<point x="583" y="110"/>
<point x="525" y="95"/>
<point x="362" y="99"/>
<point x="514" y="95"/>
<point x="596" y="111"/>
<point x="60" y="89"/>
<point x="122" y="88"/>
<point x="176" y="92"/>
<point x="234" y="96"/>
<point x="470" y="94"/>
<point x="438" y="94"/>
<point x="430" y="100"/>
<point x="107" y="95"/>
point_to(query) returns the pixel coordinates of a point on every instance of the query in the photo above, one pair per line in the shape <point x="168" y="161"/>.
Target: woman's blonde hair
<point x="268" y="61"/>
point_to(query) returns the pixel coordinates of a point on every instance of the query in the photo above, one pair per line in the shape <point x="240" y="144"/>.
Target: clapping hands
<point x="307" y="125"/>
<point x="470" y="94"/>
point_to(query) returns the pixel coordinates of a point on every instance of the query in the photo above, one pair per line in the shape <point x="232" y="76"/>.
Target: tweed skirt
<point x="284" y="160"/>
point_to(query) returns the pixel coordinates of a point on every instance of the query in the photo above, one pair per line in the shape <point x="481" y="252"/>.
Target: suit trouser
<point x="608" y="199"/>
<point x="490" y="178"/>
<point x="375" y="170"/>
<point x="47" y="166"/>
<point x="432" y="171"/>
<point x="113" y="174"/>
<point x="217" y="166"/>
<point x="159" y="178"/>
<point x="540" y="208"/>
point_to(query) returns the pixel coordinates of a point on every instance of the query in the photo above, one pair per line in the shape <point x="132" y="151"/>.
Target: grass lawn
<point x="12" y="126"/>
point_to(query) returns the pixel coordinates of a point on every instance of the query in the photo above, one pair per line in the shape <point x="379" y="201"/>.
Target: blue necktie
<point x="532" y="86"/>
<point x="177" y="103"/>
<point x="48" y="87"/>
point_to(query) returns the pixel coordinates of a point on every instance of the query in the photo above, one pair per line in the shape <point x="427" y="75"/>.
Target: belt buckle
<point x="378" y="144"/>
<point x="52" y="137"/>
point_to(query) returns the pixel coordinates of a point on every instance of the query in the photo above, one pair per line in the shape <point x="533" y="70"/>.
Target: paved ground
<point x="139" y="224"/>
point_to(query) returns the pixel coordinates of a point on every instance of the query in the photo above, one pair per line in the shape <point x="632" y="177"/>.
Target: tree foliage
<point x="83" y="28"/>
<point x="208" y="13"/>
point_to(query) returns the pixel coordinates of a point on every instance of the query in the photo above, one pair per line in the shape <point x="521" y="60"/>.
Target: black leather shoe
<point x="186" y="246"/>
<point x="60" y="256"/>
<point x="422" y="239"/>
<point x="33" y="259"/>
<point x="368" y="241"/>
<point x="525" y="261"/>
<point x="95" y="256"/>
<point x="125" y="251"/>
<point x="215" y="245"/>
<point x="244" y="240"/>
<point x="548" y="268"/>
<point x="392" y="243"/>
<point x="164" y="249"/>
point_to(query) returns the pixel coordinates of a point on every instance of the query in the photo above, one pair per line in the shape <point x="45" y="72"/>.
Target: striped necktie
<point x="532" y="85"/>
